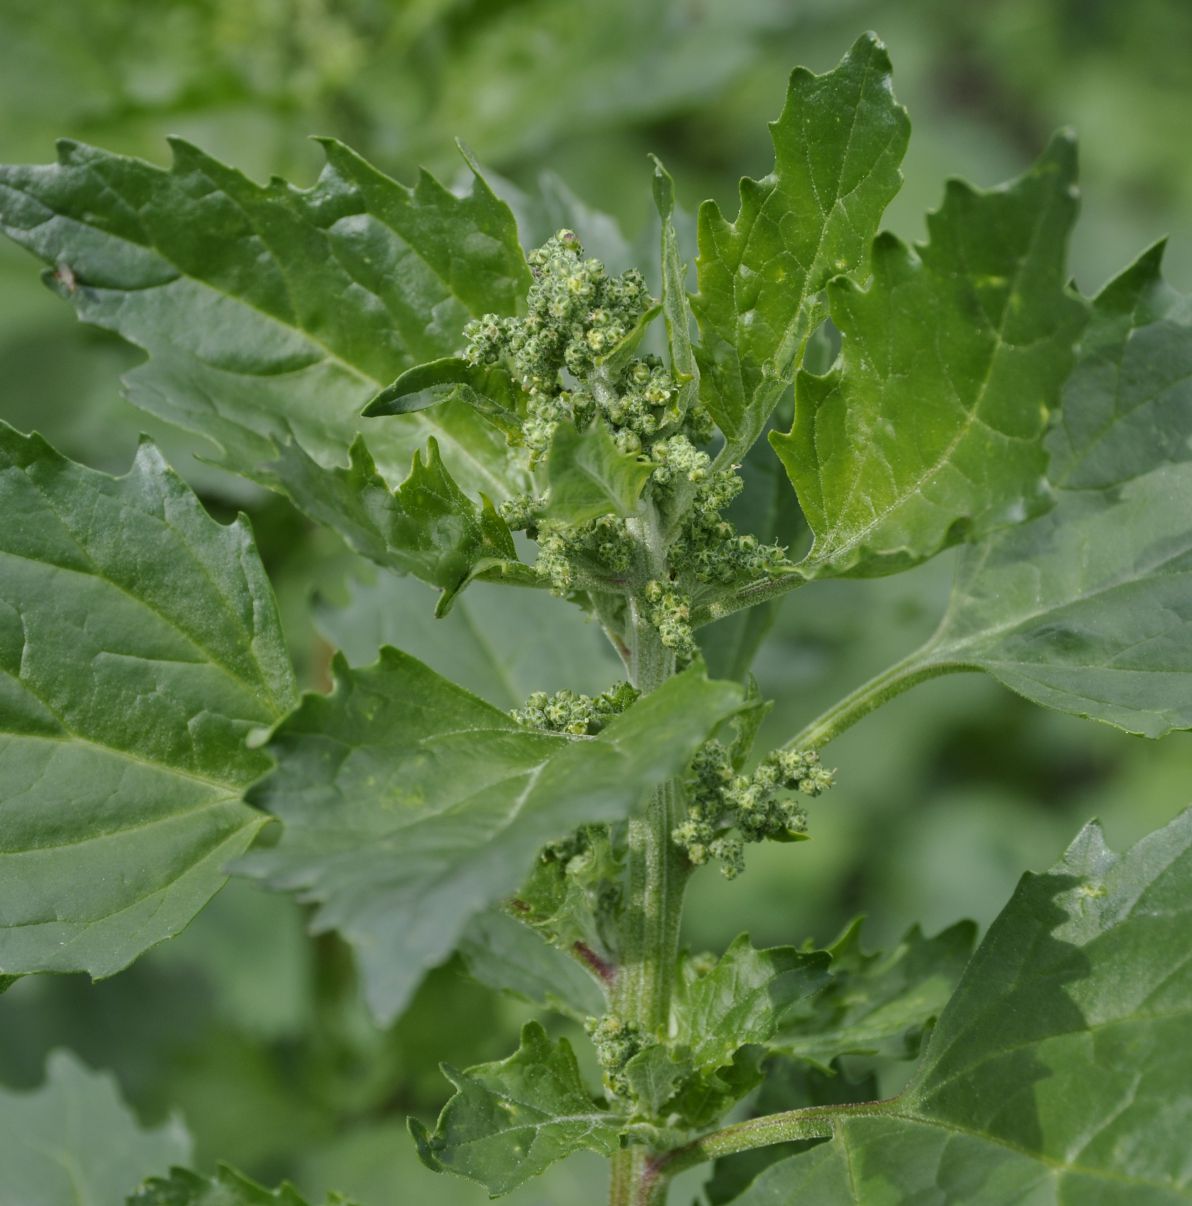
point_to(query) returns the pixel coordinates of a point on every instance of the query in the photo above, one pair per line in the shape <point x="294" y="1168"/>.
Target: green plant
<point x="960" y="393"/>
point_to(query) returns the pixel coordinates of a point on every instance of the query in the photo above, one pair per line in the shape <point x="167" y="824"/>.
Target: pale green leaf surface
<point x="837" y="147"/>
<point x="929" y="429"/>
<point x="499" y="643"/>
<point x="1058" y="1073"/>
<point x="675" y="306"/>
<point x="1086" y="609"/>
<point x="489" y="390"/>
<point x="588" y="476"/>
<point x="511" y="1119"/>
<point x="139" y="649"/>
<point x="227" y="1188"/>
<point x="876" y="1001"/>
<point x="75" y="1141"/>
<point x="505" y="954"/>
<point x="272" y="313"/>
<point x="410" y="805"/>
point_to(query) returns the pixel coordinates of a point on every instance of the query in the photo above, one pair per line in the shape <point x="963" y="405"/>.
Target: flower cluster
<point x="571" y="712"/>
<point x="617" y="1042"/>
<point x="670" y="613"/>
<point x="728" y="809"/>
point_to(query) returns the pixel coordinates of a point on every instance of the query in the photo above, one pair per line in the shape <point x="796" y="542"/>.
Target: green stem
<point x="916" y="668"/>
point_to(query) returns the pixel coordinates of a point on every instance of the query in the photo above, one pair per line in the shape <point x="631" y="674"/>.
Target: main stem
<point x="656" y="875"/>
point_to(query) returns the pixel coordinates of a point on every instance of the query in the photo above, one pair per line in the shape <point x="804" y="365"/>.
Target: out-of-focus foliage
<point x="253" y="1031"/>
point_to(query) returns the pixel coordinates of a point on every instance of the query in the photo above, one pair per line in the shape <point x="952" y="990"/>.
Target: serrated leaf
<point x="426" y="527"/>
<point x="227" y="1188"/>
<point x="1059" y="1070"/>
<point x="273" y="314"/>
<point x="410" y="805"/>
<point x="588" y="476"/>
<point x="929" y="429"/>
<point x="837" y="146"/>
<point x="140" y="647"/>
<point x="510" y="1120"/>
<point x="746" y="997"/>
<point x="505" y="954"/>
<point x="875" y="1001"/>
<point x="1085" y="609"/>
<point x="74" y="1140"/>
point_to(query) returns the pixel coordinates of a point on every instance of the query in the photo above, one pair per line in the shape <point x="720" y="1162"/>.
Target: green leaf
<point x="410" y="805"/>
<point x="505" y="954"/>
<point x="1085" y="609"/>
<point x="74" y="1140"/>
<point x="511" y="1119"/>
<point x="427" y="526"/>
<point x="1059" y="1070"/>
<point x="588" y="476"/>
<point x="878" y="1002"/>
<point x="226" y="1188"/>
<point x="747" y="997"/>
<point x="501" y="644"/>
<point x="140" y="648"/>
<point x="929" y="428"/>
<point x="271" y="313"/>
<point x="489" y="390"/>
<point x="675" y="308"/>
<point x="837" y="147"/>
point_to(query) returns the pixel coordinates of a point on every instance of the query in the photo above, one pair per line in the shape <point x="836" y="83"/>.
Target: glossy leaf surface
<point x="139" y="649"/>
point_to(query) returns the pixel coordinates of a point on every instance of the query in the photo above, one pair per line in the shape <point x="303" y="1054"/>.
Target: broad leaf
<point x="139" y="649"/>
<point x="505" y="954"/>
<point x="1059" y="1070"/>
<point x="410" y="805"/>
<point x="929" y="428"/>
<point x="510" y="1120"/>
<point x="1085" y="610"/>
<point x="226" y="1188"/>
<point x="74" y="1140"/>
<point x="501" y="644"/>
<point x="588" y="476"/>
<point x="427" y="526"/>
<point x="878" y="1002"/>
<point x="837" y="147"/>
<point x="270" y="313"/>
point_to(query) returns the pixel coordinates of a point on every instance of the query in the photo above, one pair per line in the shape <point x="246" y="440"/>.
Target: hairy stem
<point x="916" y="668"/>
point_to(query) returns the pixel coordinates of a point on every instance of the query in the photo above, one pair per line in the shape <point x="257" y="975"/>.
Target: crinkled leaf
<point x="410" y="805"/>
<point x="511" y="1119"/>
<point x="929" y="428"/>
<point x="747" y="997"/>
<point x="1059" y="1070"/>
<point x="1086" y="609"/>
<point x="74" y="1140"/>
<point x="879" y="1001"/>
<point x="489" y="390"/>
<point x="837" y="147"/>
<point x="271" y="313"/>
<point x="505" y="954"/>
<point x="588" y="476"/>
<point x="226" y="1188"/>
<point x="427" y="526"/>
<point x="139" y="649"/>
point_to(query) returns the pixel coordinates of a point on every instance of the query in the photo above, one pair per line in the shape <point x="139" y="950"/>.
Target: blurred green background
<point x="244" y="1024"/>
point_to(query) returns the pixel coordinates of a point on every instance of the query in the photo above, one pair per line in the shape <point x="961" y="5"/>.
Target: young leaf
<point x="1059" y="1070"/>
<point x="674" y="292"/>
<point x="226" y="1188"/>
<point x="872" y="1001"/>
<point x="512" y="1119"/>
<point x="74" y="1140"/>
<point x="489" y="390"/>
<point x="272" y="313"/>
<point x="401" y="842"/>
<point x="427" y="526"/>
<point x="837" y="147"/>
<point x="140" y="647"/>
<point x="588" y="476"/>
<point x="929" y="428"/>
<point x="505" y="954"/>
<point x="1084" y="610"/>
